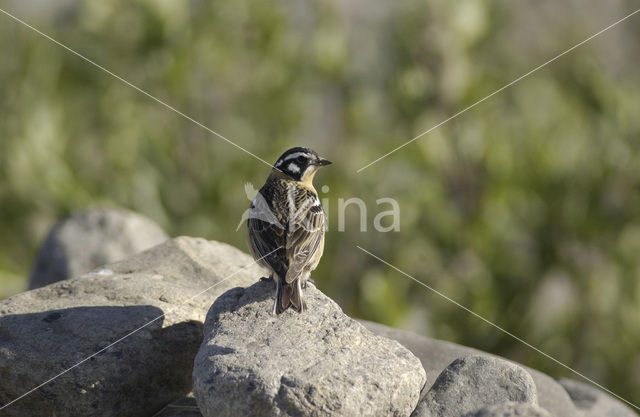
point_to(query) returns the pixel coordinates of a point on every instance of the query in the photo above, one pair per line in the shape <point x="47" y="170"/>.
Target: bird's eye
<point x="300" y="159"/>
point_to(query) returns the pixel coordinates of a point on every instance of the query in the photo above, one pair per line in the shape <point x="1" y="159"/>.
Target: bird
<point x="286" y="225"/>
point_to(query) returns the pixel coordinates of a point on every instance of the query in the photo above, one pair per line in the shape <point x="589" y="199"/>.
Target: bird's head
<point x="300" y="164"/>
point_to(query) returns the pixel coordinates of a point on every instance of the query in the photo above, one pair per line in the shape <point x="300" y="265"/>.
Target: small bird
<point x="285" y="229"/>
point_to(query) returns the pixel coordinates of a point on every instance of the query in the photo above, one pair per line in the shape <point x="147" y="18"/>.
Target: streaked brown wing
<point x="265" y="238"/>
<point x="265" y="234"/>
<point x="304" y="238"/>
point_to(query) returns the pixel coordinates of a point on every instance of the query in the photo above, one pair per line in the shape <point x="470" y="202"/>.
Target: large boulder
<point x="89" y="239"/>
<point x="475" y="381"/>
<point x="593" y="402"/>
<point x="150" y="307"/>
<point x="436" y="355"/>
<point x="319" y="363"/>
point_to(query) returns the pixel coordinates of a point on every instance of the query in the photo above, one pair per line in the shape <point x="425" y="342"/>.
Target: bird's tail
<point x="288" y="295"/>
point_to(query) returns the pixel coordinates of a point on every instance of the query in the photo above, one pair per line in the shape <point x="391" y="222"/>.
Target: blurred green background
<point x="525" y="209"/>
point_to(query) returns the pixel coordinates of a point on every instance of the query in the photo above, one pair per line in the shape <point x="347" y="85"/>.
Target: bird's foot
<point x="306" y="281"/>
<point x="269" y="279"/>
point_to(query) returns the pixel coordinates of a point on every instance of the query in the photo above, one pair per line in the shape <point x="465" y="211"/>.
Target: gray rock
<point x="45" y="331"/>
<point x="435" y="355"/>
<point x="594" y="402"/>
<point x="510" y="409"/>
<point x="89" y="239"/>
<point x="318" y="363"/>
<point x="476" y="381"/>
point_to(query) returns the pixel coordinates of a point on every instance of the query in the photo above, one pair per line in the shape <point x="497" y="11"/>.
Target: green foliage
<point x="524" y="209"/>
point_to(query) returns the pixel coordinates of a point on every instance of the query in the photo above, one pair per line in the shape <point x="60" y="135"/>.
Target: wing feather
<point x="265" y="234"/>
<point x="305" y="234"/>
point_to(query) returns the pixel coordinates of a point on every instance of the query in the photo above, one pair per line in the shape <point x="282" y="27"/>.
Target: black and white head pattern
<point x="297" y="161"/>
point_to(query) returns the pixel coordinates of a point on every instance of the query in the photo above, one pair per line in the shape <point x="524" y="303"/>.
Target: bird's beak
<point x="322" y="162"/>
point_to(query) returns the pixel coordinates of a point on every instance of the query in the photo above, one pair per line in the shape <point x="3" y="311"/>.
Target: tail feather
<point x="297" y="302"/>
<point x="288" y="295"/>
<point x="282" y="301"/>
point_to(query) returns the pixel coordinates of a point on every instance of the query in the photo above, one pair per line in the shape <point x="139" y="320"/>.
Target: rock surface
<point x="319" y="363"/>
<point x="510" y="409"/>
<point x="45" y="331"/>
<point x="436" y="355"/>
<point x="475" y="381"/>
<point x="89" y="239"/>
<point x="593" y="402"/>
<point x="184" y="407"/>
